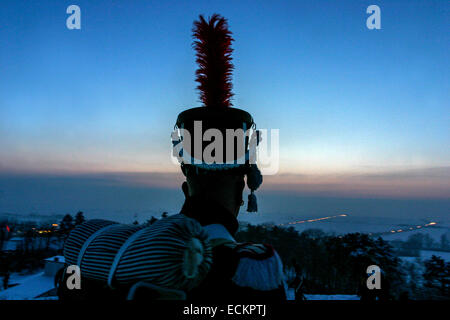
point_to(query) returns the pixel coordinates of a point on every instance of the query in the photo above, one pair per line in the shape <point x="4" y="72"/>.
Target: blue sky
<point x="347" y="100"/>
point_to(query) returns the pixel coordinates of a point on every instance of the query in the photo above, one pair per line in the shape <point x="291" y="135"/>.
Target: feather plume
<point x="212" y="41"/>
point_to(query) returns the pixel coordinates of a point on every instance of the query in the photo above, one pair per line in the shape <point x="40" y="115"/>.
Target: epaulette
<point x="259" y="267"/>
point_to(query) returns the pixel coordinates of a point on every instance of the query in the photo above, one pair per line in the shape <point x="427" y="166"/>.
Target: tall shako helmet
<point x="237" y="152"/>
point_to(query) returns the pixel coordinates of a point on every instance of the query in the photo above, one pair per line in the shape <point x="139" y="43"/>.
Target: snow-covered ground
<point x="410" y="259"/>
<point x="291" y="296"/>
<point x="34" y="286"/>
<point x="427" y="254"/>
<point x="331" y="297"/>
<point x="29" y="288"/>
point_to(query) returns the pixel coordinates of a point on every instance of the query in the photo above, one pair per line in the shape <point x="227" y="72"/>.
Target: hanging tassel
<point x="252" y="204"/>
<point x="254" y="180"/>
<point x="254" y="177"/>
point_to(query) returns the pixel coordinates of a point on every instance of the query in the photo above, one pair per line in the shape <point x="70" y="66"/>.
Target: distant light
<point x="312" y="220"/>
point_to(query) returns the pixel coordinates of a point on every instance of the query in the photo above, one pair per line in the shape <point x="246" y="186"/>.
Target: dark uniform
<point x="240" y="271"/>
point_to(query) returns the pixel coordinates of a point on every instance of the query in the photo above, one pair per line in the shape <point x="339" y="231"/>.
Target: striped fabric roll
<point x="174" y="252"/>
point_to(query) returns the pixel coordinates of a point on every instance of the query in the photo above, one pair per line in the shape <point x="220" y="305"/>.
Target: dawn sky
<point x="347" y="100"/>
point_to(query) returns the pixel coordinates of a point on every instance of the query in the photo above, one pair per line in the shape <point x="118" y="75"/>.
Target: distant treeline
<point x="328" y="264"/>
<point x="419" y="241"/>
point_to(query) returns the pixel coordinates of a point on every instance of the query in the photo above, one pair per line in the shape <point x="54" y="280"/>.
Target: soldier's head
<point x="223" y="187"/>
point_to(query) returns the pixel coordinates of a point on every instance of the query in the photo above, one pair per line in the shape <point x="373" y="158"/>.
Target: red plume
<point x="212" y="41"/>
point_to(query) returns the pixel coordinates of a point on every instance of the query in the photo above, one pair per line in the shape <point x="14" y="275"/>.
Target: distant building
<point x="13" y="244"/>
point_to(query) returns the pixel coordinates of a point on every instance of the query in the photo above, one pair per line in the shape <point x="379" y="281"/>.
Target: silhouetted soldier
<point x="214" y="189"/>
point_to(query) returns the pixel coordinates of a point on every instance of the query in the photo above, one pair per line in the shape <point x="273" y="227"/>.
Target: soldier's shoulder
<point x="258" y="266"/>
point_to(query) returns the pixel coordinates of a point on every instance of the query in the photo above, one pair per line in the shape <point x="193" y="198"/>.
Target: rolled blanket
<point x="173" y="252"/>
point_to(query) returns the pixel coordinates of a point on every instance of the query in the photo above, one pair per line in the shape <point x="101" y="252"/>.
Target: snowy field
<point x="29" y="287"/>
<point x="35" y="286"/>
<point x="427" y="254"/>
<point x="291" y="296"/>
